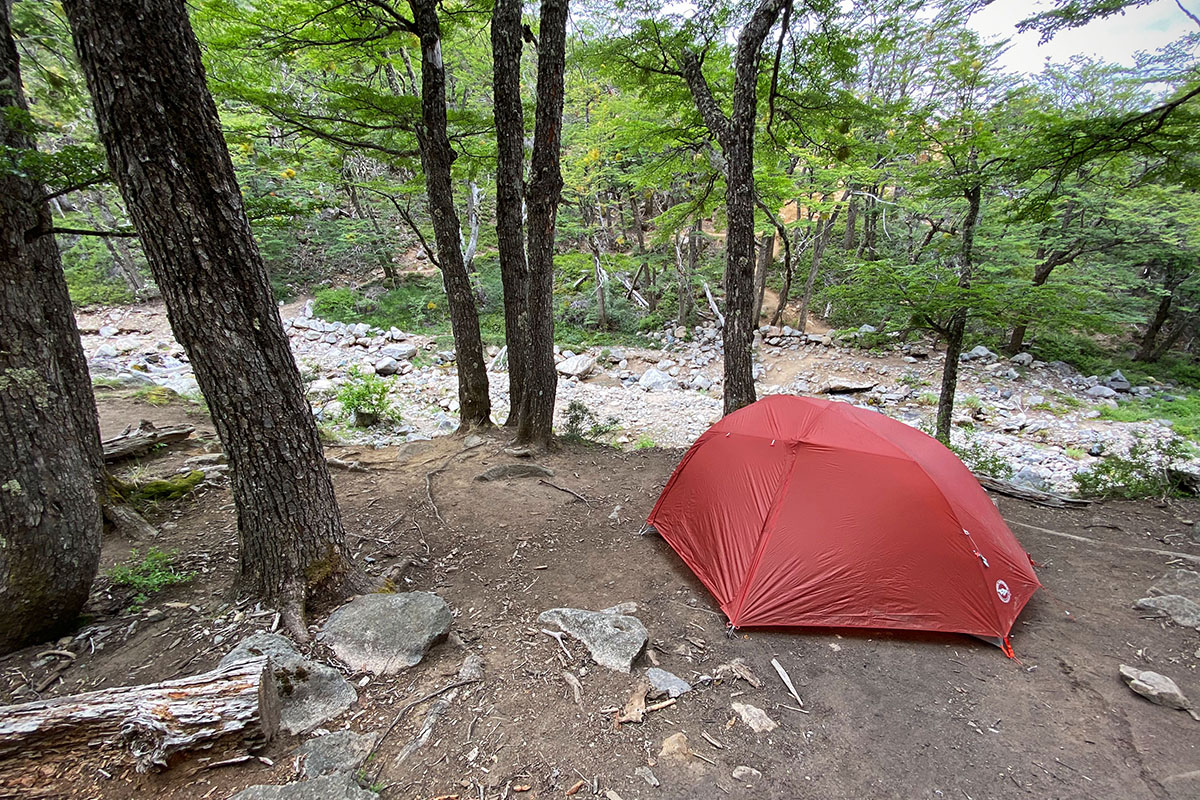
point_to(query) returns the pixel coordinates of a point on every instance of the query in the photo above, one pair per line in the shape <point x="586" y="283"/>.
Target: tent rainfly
<point x="795" y="511"/>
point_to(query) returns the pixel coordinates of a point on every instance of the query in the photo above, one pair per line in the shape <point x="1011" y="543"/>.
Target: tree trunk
<point x="766" y="257"/>
<point x="509" y="116"/>
<point x="1181" y="328"/>
<point x="119" y="249"/>
<point x="437" y="157"/>
<point x="958" y="322"/>
<point x="601" y="283"/>
<point x="820" y="242"/>
<point x="50" y="464"/>
<point x="687" y="273"/>
<point x="167" y="154"/>
<point x="545" y="191"/>
<point x="474" y="197"/>
<point x="735" y="134"/>
<point x="153" y="723"/>
<point x="851" y="221"/>
<point x="785" y="292"/>
<point x="1161" y="314"/>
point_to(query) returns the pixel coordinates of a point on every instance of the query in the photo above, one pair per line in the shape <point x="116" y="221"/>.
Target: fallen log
<point x="1032" y="495"/>
<point x="133" y="442"/>
<point x="151" y="722"/>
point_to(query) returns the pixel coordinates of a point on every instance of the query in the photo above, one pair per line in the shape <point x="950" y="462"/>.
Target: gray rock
<point x="328" y="787"/>
<point x="502" y="471"/>
<point x="755" y="717"/>
<point x="746" y="774"/>
<point x="614" y="640"/>
<point x="1100" y="390"/>
<point x="1118" y="382"/>
<point x="1154" y="687"/>
<point x="845" y="386"/>
<point x="308" y="309"/>
<point x="385" y="633"/>
<point x="655" y="380"/>
<point x="400" y="352"/>
<point x="106" y="351"/>
<point x="579" y="366"/>
<point x="336" y="752"/>
<point x="108" y="331"/>
<point x="1179" y="581"/>
<point x="868" y="329"/>
<point x="701" y="382"/>
<point x="979" y="353"/>
<point x="645" y="774"/>
<point x="387" y="366"/>
<point x="1181" y="610"/>
<point x="1022" y="359"/>
<point x="668" y="683"/>
<point x="310" y="693"/>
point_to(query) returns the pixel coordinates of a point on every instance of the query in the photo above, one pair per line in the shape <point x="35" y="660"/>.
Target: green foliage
<point x="1182" y="410"/>
<point x="581" y="424"/>
<point x="644" y="442"/>
<point x="979" y="458"/>
<point x="90" y="281"/>
<point x="147" y="494"/>
<point x="147" y="575"/>
<point x="156" y="395"/>
<point x="364" y="396"/>
<point x="1144" y="472"/>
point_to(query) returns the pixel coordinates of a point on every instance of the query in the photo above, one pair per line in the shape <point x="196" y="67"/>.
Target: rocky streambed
<point x="1040" y="418"/>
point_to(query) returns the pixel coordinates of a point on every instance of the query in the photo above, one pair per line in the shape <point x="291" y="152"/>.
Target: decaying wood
<point x="136" y="441"/>
<point x="1032" y="495"/>
<point x="151" y="722"/>
<point x="128" y="521"/>
<point x="713" y="305"/>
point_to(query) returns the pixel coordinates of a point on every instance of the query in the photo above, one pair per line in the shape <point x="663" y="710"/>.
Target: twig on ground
<point x="568" y="491"/>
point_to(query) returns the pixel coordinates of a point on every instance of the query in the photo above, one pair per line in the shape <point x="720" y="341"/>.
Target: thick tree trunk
<point x="437" y="156"/>
<point x="848" y="237"/>
<point x="958" y="322"/>
<point x="510" y="195"/>
<point x="785" y="292"/>
<point x="545" y="191"/>
<point x="735" y="134"/>
<point x="50" y="465"/>
<point x="167" y="154"/>
<point x="153" y="723"/>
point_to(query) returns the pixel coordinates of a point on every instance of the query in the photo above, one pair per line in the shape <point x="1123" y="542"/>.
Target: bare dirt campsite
<point x="883" y="715"/>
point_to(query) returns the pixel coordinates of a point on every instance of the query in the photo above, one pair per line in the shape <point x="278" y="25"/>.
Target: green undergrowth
<point x="147" y="575"/>
<point x="1183" y="411"/>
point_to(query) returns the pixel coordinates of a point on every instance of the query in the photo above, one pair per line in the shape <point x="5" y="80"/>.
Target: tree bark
<point x="437" y="157"/>
<point x="1162" y="313"/>
<point x="958" y="322"/>
<point x="152" y="722"/>
<point x="766" y="257"/>
<point x="735" y="134"/>
<point x="166" y="152"/>
<point x="545" y="191"/>
<point x="820" y="242"/>
<point x="509" y="116"/>
<point x="50" y="466"/>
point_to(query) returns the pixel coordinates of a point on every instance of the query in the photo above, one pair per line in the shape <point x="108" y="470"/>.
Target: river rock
<point x="579" y="366"/>
<point x="655" y="380"/>
<point x="385" y="633"/>
<point x="1022" y="359"/>
<point x="387" y="366"/>
<point x="310" y="693"/>
<point x="1154" y="687"/>
<point x="1101" y="391"/>
<point x="614" y="640"/>
<point x="401" y="352"/>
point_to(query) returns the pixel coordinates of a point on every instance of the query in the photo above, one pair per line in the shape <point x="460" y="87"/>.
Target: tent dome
<point x="799" y="511"/>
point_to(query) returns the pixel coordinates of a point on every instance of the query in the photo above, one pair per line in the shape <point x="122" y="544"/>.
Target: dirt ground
<point x="888" y="714"/>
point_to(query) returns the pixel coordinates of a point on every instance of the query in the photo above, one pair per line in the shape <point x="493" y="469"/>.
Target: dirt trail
<point x="890" y="714"/>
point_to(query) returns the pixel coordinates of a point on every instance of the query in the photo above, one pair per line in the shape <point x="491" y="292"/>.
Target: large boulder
<point x="385" y="633"/>
<point x="614" y="640"/>
<point x="579" y="366"/>
<point x="401" y="352"/>
<point x="1101" y="391"/>
<point x="655" y="380"/>
<point x="311" y="693"/>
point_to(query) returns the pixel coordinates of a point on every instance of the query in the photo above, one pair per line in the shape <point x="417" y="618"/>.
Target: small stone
<point x="154" y="615"/>
<point x="387" y="366"/>
<point x="1181" y="610"/>
<point x="645" y="774"/>
<point x="1154" y="687"/>
<point x="108" y="331"/>
<point x="746" y="774"/>
<point x="328" y="787"/>
<point x="1022" y="359"/>
<point x="400" y="352"/>
<point x="385" y="633"/>
<point x="579" y="366"/>
<point x="755" y="717"/>
<point x="675" y="747"/>
<point x="1100" y="391"/>
<point x="663" y="682"/>
<point x="656" y="380"/>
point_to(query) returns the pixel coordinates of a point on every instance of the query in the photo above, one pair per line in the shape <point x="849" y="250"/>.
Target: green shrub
<point x="364" y="396"/>
<point x="1144" y="472"/>
<point x="978" y="458"/>
<point x="148" y="575"/>
<point x="644" y="442"/>
<point x="1183" y="411"/>
<point x="580" y="423"/>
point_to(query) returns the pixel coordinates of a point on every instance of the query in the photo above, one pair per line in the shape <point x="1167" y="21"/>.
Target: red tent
<point x="798" y="511"/>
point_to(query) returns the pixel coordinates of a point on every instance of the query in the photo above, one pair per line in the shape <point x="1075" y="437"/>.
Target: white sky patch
<point x="1115" y="39"/>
